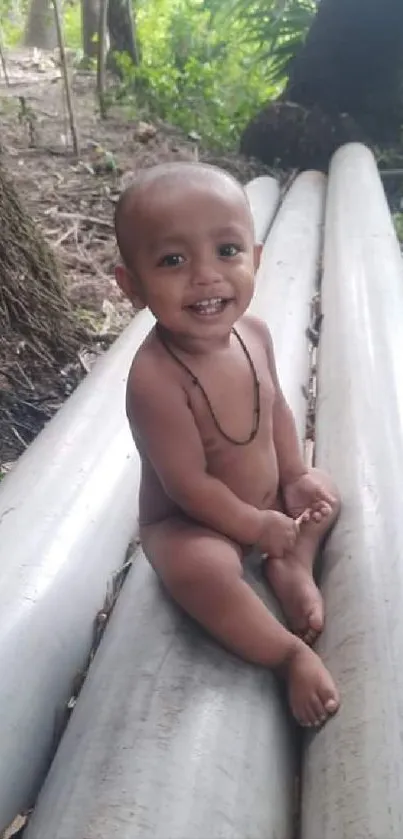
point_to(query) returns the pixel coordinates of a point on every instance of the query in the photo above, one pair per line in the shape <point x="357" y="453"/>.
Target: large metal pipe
<point x="172" y="737"/>
<point x="67" y="513"/>
<point x="353" y="768"/>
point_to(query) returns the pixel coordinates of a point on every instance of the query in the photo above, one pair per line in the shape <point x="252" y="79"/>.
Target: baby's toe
<point x="318" y="711"/>
<point x="330" y="699"/>
<point x="309" y="636"/>
<point x="332" y="705"/>
<point x="322" y="511"/>
<point x="304" y="716"/>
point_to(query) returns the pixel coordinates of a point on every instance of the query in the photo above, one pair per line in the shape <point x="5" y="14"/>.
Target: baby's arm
<point x="160" y="417"/>
<point x="289" y="457"/>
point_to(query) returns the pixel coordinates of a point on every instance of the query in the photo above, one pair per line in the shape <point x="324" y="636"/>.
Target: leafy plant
<point x="277" y="28"/>
<point x="72" y="26"/>
<point x="12" y="17"/>
<point x="207" y="65"/>
<point x="198" y="71"/>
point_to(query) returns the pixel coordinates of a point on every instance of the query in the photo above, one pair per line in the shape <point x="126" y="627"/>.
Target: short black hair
<point x="149" y="176"/>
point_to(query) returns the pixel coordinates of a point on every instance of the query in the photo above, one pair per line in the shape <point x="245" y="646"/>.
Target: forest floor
<point x="72" y="200"/>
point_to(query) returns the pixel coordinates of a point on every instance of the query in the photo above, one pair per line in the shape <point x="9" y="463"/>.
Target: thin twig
<point x="63" y="60"/>
<point x="101" y="58"/>
<point x="24" y="375"/>
<point x="84" y="363"/>
<point x="3" y="60"/>
<point x="19" y="438"/>
<point x="65" y="235"/>
<point x="80" y="217"/>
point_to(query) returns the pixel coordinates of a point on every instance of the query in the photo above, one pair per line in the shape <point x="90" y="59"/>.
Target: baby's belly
<point x="252" y="476"/>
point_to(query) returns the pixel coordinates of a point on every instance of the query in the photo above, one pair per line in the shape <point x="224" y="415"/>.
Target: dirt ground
<point x="72" y="200"/>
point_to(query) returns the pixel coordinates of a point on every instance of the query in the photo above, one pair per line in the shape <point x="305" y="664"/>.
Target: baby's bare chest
<point x="233" y="407"/>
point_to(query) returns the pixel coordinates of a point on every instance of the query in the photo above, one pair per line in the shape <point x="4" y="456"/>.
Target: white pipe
<point x="262" y="192"/>
<point x="288" y="272"/>
<point x="67" y="513"/>
<point x="172" y="737"/>
<point x="353" y="768"/>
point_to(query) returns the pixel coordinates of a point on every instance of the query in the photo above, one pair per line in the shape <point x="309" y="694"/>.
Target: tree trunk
<point x="122" y="33"/>
<point x="37" y="329"/>
<point x="345" y="83"/>
<point x="352" y="62"/>
<point x="89" y="23"/>
<point x="40" y="30"/>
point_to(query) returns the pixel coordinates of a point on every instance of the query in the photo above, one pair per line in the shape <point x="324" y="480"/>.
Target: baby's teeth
<point x="213" y="302"/>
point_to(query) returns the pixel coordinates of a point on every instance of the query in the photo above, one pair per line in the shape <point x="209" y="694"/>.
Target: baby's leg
<point x="291" y="577"/>
<point x="202" y="570"/>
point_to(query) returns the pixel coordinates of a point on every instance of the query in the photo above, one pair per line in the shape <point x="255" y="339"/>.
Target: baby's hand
<point x="278" y="534"/>
<point x="308" y="491"/>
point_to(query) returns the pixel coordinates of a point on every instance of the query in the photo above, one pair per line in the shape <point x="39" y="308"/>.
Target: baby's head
<point x="186" y="239"/>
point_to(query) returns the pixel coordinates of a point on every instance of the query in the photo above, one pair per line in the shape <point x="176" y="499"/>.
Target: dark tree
<point x="347" y="80"/>
<point x="122" y="33"/>
<point x="89" y="22"/>
<point x="352" y="62"/>
<point x="40" y="30"/>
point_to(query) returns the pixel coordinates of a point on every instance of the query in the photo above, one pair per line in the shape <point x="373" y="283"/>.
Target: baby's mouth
<point x="210" y="306"/>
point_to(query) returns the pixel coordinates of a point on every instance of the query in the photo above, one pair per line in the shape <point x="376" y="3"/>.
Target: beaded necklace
<point x="197" y="382"/>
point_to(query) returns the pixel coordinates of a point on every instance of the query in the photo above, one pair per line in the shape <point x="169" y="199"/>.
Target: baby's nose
<point x="206" y="274"/>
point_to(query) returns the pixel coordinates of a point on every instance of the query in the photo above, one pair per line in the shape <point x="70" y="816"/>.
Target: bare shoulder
<point x="150" y="377"/>
<point x="258" y="330"/>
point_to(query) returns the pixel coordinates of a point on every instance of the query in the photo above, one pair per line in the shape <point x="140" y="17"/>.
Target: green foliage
<point x="207" y="65"/>
<point x="12" y="16"/>
<point x="198" y="70"/>
<point x="278" y="29"/>
<point x="72" y="26"/>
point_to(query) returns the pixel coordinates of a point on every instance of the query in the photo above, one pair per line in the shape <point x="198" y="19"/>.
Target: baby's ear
<point x="257" y="253"/>
<point x="128" y="284"/>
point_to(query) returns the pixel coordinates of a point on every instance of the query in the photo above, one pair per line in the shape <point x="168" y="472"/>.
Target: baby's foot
<point x="312" y="693"/>
<point x="300" y="599"/>
<point x="291" y="576"/>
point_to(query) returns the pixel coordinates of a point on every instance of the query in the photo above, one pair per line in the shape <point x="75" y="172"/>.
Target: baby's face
<point x="193" y="256"/>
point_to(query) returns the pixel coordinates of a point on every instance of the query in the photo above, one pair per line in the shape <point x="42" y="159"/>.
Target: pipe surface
<point x="263" y="193"/>
<point x="287" y="272"/>
<point x="172" y="737"/>
<point x="67" y="513"/>
<point x="353" y="767"/>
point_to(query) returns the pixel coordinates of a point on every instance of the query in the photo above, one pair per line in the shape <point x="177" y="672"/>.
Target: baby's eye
<point x="171" y="260"/>
<point x="228" y="250"/>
